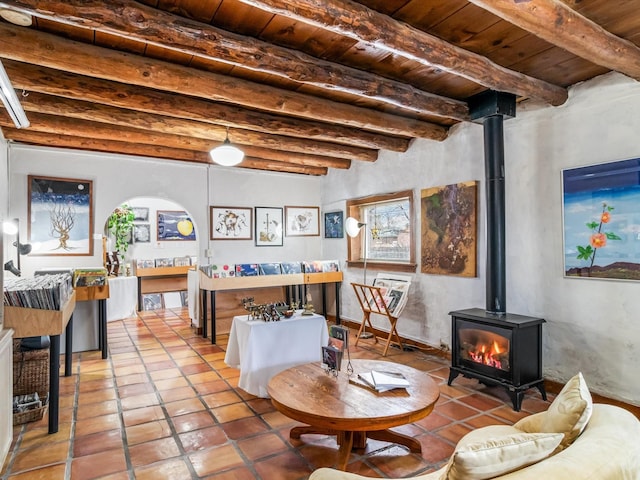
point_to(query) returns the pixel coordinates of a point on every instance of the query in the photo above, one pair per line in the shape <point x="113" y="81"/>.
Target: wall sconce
<point x="227" y="154"/>
<point x="12" y="227"/>
<point x="352" y="226"/>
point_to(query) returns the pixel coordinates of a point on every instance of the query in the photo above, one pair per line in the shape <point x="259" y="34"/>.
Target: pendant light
<point x="227" y="154"/>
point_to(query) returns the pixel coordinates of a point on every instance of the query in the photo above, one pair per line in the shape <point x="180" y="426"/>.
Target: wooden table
<point x="32" y="322"/>
<point x="334" y="406"/>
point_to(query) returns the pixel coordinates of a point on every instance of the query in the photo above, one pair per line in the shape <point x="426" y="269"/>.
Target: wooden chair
<point x="371" y="301"/>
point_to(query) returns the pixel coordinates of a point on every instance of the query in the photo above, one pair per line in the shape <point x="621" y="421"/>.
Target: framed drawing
<point x="302" y="221"/>
<point x="60" y="212"/>
<point x="334" y="225"/>
<point x="449" y="229"/>
<point x="141" y="232"/>
<point x="230" y="223"/>
<point x="141" y="214"/>
<point x="268" y="227"/>
<point x="601" y="220"/>
<point x="175" y="225"/>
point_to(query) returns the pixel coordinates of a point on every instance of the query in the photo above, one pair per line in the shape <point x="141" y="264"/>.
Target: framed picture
<point x="152" y="301"/>
<point x="334" y="225"/>
<point x="175" y="225"/>
<point x="230" y="223"/>
<point x="600" y="221"/>
<point x="141" y="232"/>
<point x="449" y="229"/>
<point x="141" y="214"/>
<point x="60" y="213"/>
<point x="302" y="221"/>
<point x="268" y="226"/>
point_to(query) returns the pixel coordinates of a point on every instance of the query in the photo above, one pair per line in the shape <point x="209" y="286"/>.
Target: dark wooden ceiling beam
<point x="26" y="45"/>
<point x="34" y="78"/>
<point x="559" y="24"/>
<point x="356" y="21"/>
<point x="61" y="125"/>
<point x="143" y="150"/>
<point x="133" y="20"/>
<point x="206" y="136"/>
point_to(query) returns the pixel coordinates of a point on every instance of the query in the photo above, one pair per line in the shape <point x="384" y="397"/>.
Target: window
<point x="388" y="235"/>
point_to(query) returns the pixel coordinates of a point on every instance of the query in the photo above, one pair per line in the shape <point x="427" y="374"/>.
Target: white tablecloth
<point x="263" y="349"/>
<point x="123" y="298"/>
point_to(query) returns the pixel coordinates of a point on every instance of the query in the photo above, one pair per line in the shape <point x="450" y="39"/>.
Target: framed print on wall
<point x="334" y="225"/>
<point x="175" y="225"/>
<point x="140" y="214"/>
<point x="142" y="232"/>
<point x="302" y="221"/>
<point x="601" y="221"/>
<point x="230" y="223"/>
<point x="268" y="226"/>
<point x="60" y="213"/>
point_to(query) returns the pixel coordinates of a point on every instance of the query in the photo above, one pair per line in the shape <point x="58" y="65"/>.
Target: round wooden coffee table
<point x="334" y="406"/>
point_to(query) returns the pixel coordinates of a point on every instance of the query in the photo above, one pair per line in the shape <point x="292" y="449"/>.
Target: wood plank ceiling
<point x="300" y="85"/>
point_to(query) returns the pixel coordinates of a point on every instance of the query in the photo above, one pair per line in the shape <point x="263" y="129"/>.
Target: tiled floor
<point x="165" y="406"/>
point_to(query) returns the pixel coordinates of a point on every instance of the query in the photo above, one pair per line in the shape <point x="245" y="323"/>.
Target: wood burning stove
<point x="498" y="349"/>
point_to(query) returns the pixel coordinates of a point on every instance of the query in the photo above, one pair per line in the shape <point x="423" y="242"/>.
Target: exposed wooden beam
<point x="84" y="128"/>
<point x="133" y="20"/>
<point x="25" y="45"/>
<point x="560" y="25"/>
<point x="205" y="136"/>
<point x="35" y="78"/>
<point x="356" y="21"/>
<point x="152" y="151"/>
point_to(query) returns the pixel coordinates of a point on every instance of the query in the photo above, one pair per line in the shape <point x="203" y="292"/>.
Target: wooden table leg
<point x="394" y="437"/>
<point x="344" y="451"/>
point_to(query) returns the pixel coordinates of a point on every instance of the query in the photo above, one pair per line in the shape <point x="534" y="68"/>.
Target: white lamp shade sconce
<point x="12" y="227"/>
<point x="227" y="154"/>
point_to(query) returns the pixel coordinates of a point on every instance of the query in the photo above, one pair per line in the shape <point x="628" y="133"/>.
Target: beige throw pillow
<point x="568" y="414"/>
<point x="496" y="450"/>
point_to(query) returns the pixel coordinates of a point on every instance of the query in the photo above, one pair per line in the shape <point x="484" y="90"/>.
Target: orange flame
<point x="487" y="355"/>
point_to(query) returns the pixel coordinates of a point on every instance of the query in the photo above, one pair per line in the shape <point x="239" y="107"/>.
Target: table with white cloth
<point x="263" y="349"/>
<point x="123" y="298"/>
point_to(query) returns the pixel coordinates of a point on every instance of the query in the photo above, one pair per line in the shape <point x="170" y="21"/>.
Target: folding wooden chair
<point x="371" y="301"/>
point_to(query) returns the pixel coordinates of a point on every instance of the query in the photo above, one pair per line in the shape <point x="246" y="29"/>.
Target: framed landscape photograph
<point x="60" y="213"/>
<point x="230" y="223"/>
<point x="175" y="225"/>
<point x="601" y="221"/>
<point x="268" y="227"/>
<point x="334" y="225"/>
<point x="302" y="221"/>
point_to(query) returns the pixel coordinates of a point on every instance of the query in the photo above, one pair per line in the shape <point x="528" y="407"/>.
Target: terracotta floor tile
<point x="97" y="396"/>
<point x="101" y="423"/>
<point x="202" y="439"/>
<point x="182" y="407"/>
<point x="196" y="368"/>
<point x="169" y="470"/>
<point x="41" y="456"/>
<point x="171" y="383"/>
<point x="46" y="473"/>
<point x="155" y="366"/>
<point x="153" y="451"/>
<point x="235" y="411"/>
<point x="212" y="387"/>
<point x="286" y="466"/>
<point x="219" y="399"/>
<point x="98" y="464"/>
<point x="143" y="415"/>
<point x="454" y="432"/>
<point x="175" y="394"/>
<point x="203" y="377"/>
<point x="40" y="436"/>
<point x="261" y="446"/>
<point x="138" y="401"/>
<point x="97" y="442"/>
<point x="455" y="410"/>
<point x="166" y="373"/>
<point x="146" y="432"/>
<point x="216" y="459"/>
<point x="91" y="410"/>
<point x="136" y="389"/>
<point x="244" y="428"/>
<point x="132" y="379"/>
<point x="193" y="421"/>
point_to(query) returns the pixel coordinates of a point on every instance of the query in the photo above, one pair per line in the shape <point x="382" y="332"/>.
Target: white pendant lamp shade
<point x="226" y="154"/>
<point x="352" y="226"/>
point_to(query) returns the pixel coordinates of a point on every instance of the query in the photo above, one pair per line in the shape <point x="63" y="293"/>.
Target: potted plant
<point x="120" y="225"/>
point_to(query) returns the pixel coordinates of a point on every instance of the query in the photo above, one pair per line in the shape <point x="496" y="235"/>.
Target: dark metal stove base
<point x="515" y="393"/>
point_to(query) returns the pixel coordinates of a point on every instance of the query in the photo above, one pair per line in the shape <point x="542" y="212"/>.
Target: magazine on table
<point x="383" y="381"/>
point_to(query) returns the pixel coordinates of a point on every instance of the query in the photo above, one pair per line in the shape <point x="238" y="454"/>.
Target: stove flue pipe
<point x="490" y="108"/>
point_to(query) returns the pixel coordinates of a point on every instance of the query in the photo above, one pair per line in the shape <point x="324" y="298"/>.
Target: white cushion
<point x="498" y="449"/>
<point x="568" y="414"/>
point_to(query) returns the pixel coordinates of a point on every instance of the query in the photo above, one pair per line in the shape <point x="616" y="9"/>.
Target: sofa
<point x="573" y="440"/>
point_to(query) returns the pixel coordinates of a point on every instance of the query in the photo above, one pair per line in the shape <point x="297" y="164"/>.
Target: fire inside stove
<point x="483" y="347"/>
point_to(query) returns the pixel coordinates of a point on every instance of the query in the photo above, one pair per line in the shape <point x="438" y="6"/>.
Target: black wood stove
<point x="502" y="350"/>
<point x="491" y="345"/>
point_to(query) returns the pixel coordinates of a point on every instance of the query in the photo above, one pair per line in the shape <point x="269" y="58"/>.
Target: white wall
<point x="592" y="325"/>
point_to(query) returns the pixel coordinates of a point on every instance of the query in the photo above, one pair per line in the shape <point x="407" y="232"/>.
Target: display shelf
<point x="98" y="292"/>
<point x="161" y="271"/>
<point x="34" y="322"/>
